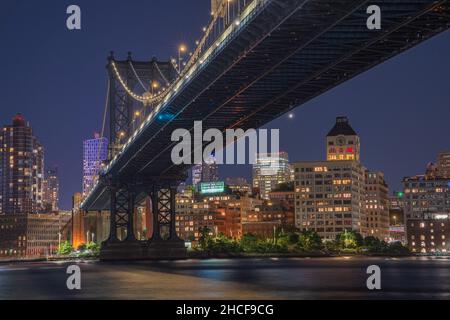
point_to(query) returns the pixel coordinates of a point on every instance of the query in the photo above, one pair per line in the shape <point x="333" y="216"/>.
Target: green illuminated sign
<point x="212" y="187"/>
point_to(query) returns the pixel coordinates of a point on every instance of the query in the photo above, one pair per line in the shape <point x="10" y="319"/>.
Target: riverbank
<point x="207" y="256"/>
<point x="241" y="255"/>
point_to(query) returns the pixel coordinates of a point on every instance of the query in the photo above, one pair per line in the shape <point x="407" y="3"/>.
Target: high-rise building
<point x="95" y="151"/>
<point x="51" y="190"/>
<point x="343" y="142"/>
<point x="330" y="197"/>
<point x="443" y="164"/>
<point x="208" y="171"/>
<point x="21" y="169"/>
<point x="340" y="193"/>
<point x="197" y="174"/>
<point x="270" y="170"/>
<point x="376" y="222"/>
<point x="426" y="194"/>
<point x="427" y="208"/>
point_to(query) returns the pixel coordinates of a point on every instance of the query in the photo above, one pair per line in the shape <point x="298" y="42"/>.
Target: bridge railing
<point x="228" y="13"/>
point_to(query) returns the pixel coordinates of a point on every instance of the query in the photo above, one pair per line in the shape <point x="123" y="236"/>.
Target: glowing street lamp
<point x="181" y="50"/>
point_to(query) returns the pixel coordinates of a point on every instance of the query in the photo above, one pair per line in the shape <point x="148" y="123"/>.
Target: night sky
<point x="57" y="79"/>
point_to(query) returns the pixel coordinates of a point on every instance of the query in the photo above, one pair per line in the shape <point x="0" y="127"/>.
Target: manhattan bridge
<point x="257" y="60"/>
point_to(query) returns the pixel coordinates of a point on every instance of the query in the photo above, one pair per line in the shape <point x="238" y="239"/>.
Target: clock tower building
<point x="343" y="142"/>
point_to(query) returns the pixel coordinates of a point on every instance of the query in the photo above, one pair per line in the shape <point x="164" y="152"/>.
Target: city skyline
<point x="401" y="127"/>
<point x="225" y="150"/>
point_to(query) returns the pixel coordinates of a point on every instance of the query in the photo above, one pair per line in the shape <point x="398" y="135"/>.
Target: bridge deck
<point x="278" y="58"/>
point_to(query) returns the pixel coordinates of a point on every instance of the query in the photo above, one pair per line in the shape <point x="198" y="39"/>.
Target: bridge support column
<point x="165" y="243"/>
<point x="122" y="243"/>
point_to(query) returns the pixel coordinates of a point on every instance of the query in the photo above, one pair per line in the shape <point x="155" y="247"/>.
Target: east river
<point x="315" y="278"/>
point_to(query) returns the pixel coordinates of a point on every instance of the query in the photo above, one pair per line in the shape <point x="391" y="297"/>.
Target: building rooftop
<point x="342" y="127"/>
<point x="19" y="120"/>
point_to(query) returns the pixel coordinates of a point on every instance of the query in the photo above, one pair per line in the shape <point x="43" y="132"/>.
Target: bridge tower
<point x="126" y="113"/>
<point x="125" y="78"/>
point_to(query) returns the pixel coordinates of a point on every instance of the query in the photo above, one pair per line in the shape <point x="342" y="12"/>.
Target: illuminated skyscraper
<point x="21" y="169"/>
<point x="95" y="151"/>
<point x="197" y="174"/>
<point x="51" y="190"/>
<point x="341" y="194"/>
<point x="270" y="170"/>
<point x="210" y="171"/>
<point x="330" y="197"/>
<point x="206" y="172"/>
<point x="376" y="222"/>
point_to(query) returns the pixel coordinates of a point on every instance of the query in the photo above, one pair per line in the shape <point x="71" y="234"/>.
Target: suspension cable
<point x="161" y="74"/>
<point x="137" y="77"/>
<point x="102" y="134"/>
<point x="146" y="99"/>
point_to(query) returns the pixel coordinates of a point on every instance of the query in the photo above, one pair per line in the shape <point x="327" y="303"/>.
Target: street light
<point x="155" y="85"/>
<point x="181" y="49"/>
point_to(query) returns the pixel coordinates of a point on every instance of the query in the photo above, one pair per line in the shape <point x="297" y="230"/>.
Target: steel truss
<point x="122" y="243"/>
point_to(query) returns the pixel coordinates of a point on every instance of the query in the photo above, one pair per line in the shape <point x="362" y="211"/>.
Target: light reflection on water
<point x="276" y="278"/>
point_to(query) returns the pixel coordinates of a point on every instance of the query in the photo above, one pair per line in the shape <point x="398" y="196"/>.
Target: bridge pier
<point x="122" y="243"/>
<point x="165" y="243"/>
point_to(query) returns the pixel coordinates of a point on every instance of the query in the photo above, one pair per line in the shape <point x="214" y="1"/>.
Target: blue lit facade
<point x="95" y="151"/>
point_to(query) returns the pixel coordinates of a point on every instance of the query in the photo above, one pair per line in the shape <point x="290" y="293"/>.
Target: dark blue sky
<point x="57" y="78"/>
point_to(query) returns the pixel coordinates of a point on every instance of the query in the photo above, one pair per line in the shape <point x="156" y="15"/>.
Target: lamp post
<point x="181" y="49"/>
<point x="154" y="85"/>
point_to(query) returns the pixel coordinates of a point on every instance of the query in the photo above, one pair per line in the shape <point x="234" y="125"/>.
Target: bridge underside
<point x="284" y="55"/>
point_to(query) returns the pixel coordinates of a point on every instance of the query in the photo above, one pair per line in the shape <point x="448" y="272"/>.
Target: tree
<point x="223" y="244"/>
<point x="331" y="246"/>
<point x="249" y="242"/>
<point x="65" y="248"/>
<point x="397" y="248"/>
<point x="310" y="240"/>
<point x="204" y="237"/>
<point x="94" y="247"/>
<point x="350" y="239"/>
<point x="372" y="244"/>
